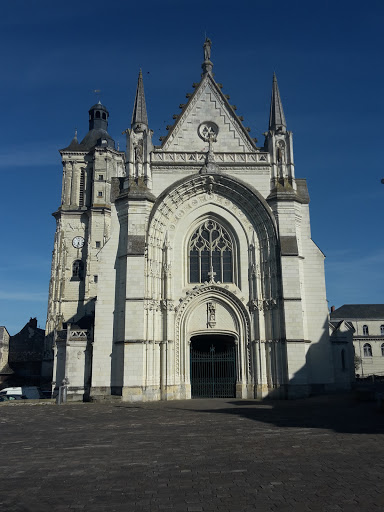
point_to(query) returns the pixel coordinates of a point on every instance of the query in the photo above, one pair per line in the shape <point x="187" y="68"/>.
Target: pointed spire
<point x="276" y="117"/>
<point x="139" y="115"/>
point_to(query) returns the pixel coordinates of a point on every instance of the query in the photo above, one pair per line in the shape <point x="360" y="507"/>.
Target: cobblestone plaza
<point x="320" y="454"/>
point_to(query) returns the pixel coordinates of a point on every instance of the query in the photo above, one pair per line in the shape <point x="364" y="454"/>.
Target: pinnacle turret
<point x="139" y="115"/>
<point x="276" y="117"/>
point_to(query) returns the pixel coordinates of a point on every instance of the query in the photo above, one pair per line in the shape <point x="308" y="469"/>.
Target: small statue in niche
<point x="280" y="152"/>
<point x="138" y="153"/>
<point x="138" y="148"/>
<point x="211" y="314"/>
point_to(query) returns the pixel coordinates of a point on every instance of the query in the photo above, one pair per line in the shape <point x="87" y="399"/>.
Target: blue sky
<point x="328" y="59"/>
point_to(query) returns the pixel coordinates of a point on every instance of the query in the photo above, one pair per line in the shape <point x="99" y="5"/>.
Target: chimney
<point x="332" y="309"/>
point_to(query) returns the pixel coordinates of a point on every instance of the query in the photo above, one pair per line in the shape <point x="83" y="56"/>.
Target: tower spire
<point x="139" y="115"/>
<point x="276" y="117"/>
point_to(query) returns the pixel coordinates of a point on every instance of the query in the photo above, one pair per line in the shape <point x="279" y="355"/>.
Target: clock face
<point x="78" y="242"/>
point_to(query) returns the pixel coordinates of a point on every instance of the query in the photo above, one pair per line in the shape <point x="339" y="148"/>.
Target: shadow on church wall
<point x="118" y="337"/>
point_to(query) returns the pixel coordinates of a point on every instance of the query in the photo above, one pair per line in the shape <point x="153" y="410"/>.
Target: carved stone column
<point x="68" y="182"/>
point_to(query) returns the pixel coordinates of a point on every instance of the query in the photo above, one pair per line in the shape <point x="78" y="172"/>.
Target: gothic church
<point x="187" y="269"/>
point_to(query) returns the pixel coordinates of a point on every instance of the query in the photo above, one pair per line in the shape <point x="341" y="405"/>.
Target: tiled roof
<point x="359" y="311"/>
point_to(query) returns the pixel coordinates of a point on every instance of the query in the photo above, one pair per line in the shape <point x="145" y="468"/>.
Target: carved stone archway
<point x="226" y="303"/>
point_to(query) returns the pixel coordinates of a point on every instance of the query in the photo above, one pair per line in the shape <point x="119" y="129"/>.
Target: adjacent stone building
<point x="187" y="269"/>
<point x="26" y="359"/>
<point x="367" y="323"/>
<point x="5" y="370"/>
<point x="31" y="363"/>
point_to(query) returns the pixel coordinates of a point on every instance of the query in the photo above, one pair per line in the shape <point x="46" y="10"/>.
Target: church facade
<point x="187" y="269"/>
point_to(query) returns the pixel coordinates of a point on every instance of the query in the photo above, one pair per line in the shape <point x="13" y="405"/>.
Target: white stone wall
<point x="4" y="346"/>
<point x="146" y="309"/>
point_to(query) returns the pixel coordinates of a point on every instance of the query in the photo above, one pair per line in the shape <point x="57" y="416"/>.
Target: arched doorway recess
<point x="213" y="366"/>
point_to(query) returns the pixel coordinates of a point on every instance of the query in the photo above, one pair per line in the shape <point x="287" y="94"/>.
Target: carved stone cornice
<point x="262" y="304"/>
<point x="175" y="158"/>
<point x="167" y="305"/>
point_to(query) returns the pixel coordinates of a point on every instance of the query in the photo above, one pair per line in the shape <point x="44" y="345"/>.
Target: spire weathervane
<point x="97" y="92"/>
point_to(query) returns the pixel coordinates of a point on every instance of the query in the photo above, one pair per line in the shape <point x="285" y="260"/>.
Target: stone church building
<point x="187" y="269"/>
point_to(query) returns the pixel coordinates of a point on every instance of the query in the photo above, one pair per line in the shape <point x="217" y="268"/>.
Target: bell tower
<point x="82" y="231"/>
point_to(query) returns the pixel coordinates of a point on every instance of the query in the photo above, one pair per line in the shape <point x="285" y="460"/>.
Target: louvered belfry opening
<point x="213" y="366"/>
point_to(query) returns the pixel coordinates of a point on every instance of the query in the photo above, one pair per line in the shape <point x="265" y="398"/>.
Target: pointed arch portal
<point x="213" y="366"/>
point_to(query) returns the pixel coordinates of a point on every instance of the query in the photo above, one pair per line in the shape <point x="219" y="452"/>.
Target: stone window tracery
<point x="365" y="330"/>
<point x="367" y="350"/>
<point x="210" y="254"/>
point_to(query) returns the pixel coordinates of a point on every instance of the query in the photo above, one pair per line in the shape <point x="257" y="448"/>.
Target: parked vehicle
<point x="8" y="398"/>
<point x="32" y="392"/>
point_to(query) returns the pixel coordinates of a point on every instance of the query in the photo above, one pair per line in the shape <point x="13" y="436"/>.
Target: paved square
<point x="321" y="454"/>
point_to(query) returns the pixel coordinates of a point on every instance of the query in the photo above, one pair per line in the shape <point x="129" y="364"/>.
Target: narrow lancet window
<point x="210" y="254"/>
<point x="82" y="187"/>
<point x="77" y="270"/>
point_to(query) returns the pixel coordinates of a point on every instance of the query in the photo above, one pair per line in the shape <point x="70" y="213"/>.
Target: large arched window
<point x="210" y="254"/>
<point x="367" y="350"/>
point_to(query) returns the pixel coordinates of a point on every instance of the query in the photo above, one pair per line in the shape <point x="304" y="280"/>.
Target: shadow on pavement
<point x="339" y="413"/>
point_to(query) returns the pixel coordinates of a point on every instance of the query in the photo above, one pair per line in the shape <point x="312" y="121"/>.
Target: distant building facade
<point x="187" y="269"/>
<point x="367" y="321"/>
<point x="25" y="358"/>
<point x="31" y="364"/>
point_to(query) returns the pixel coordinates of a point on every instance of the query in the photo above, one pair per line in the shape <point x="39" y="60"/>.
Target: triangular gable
<point x="208" y="103"/>
<point x="341" y="326"/>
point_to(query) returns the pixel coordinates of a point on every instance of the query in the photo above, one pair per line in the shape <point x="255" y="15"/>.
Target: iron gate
<point x="213" y="375"/>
